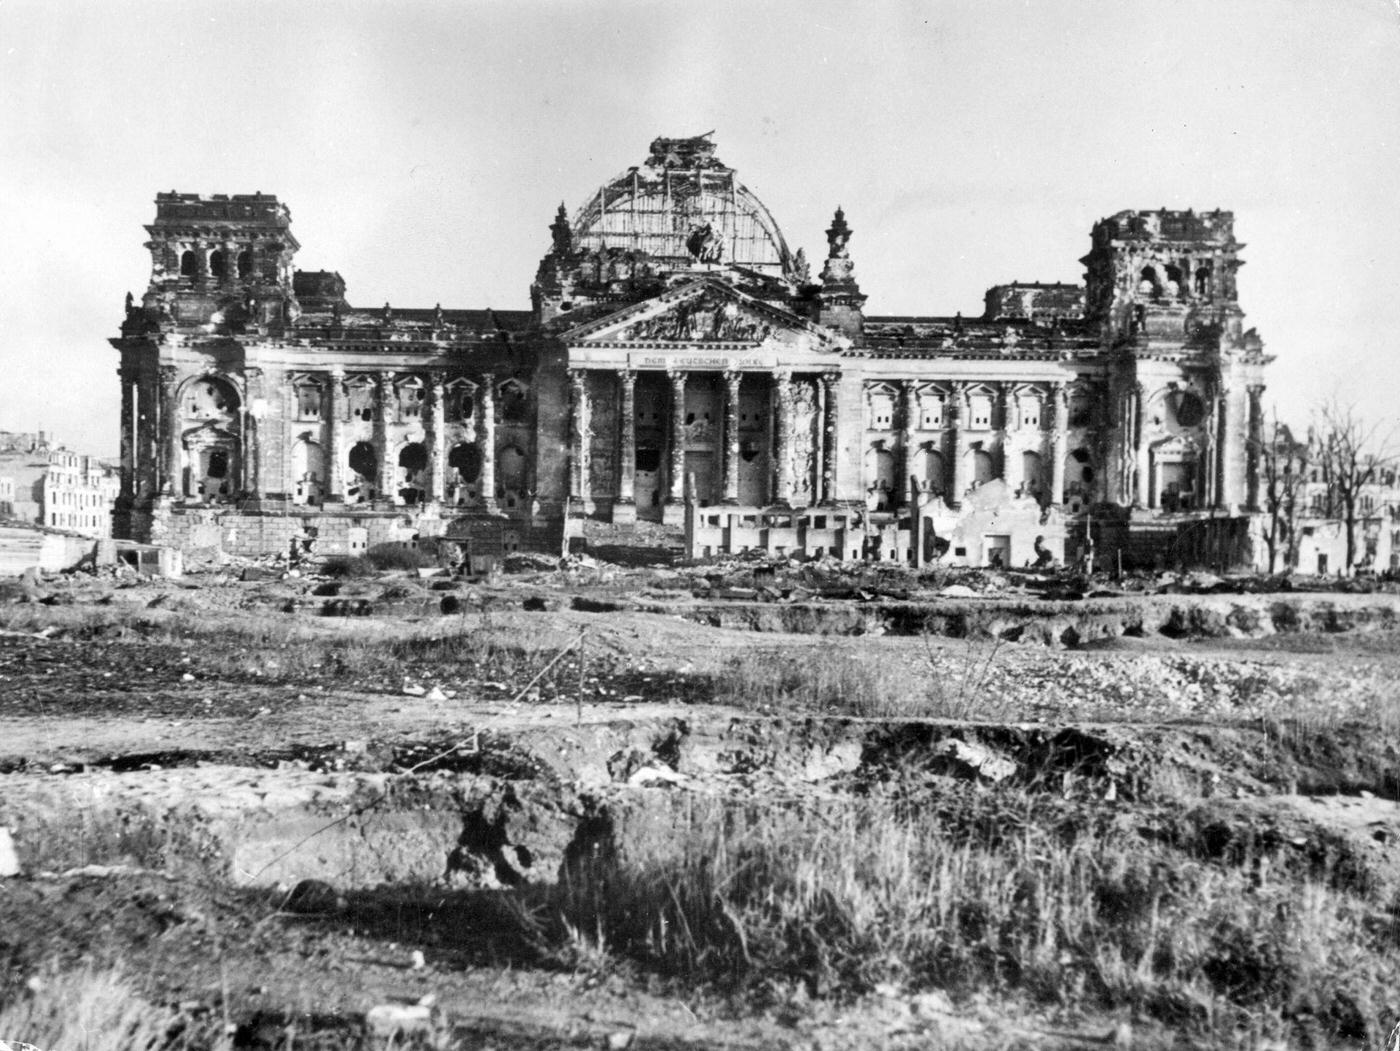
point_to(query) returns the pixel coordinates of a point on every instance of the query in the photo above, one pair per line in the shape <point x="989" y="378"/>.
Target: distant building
<point x="79" y="493"/>
<point x="46" y="484"/>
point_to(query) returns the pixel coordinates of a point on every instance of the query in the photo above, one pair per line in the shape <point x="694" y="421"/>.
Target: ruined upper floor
<point x="1156" y="281"/>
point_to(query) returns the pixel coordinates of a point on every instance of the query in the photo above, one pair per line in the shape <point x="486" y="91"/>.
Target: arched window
<point x="466" y="461"/>
<point x="1174" y="280"/>
<point x="1032" y="474"/>
<point x="983" y="469"/>
<point x="1149" y="283"/>
<point x="413" y="462"/>
<point x="245" y="263"/>
<point x="216" y="263"/>
<point x="187" y="264"/>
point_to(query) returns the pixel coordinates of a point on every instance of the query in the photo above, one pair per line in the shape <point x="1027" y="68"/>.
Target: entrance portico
<point x="749" y="431"/>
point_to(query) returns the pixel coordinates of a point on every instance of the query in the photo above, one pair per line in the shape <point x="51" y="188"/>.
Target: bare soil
<point x="175" y="761"/>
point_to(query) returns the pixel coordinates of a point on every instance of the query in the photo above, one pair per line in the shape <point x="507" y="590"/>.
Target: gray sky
<point x="423" y="148"/>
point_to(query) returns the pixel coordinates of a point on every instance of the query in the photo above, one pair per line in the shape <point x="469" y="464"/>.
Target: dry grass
<point x="834" y="680"/>
<point x="94" y="1009"/>
<point x="867" y="892"/>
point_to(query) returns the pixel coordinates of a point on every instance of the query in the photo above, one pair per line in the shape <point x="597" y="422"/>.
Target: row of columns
<point x="782" y="437"/>
<point x="955" y="409"/>
<point x="152" y="448"/>
<point x="434" y="438"/>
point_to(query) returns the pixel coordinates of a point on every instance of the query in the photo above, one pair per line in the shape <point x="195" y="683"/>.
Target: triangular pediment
<point x="709" y="313"/>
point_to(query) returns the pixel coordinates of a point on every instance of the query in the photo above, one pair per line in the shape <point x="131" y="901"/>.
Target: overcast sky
<point x="424" y="146"/>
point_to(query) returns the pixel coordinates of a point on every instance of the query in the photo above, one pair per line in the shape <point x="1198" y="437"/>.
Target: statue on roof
<point x="838" y="234"/>
<point x="705" y="244"/>
<point x="562" y="233"/>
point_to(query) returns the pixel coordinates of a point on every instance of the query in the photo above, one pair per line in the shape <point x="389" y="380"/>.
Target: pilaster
<point x="385" y="393"/>
<point x="910" y="421"/>
<point x="1059" y="400"/>
<point x="335" y="435"/>
<point x="956" y="410"/>
<point x="487" y="430"/>
<point x="437" y="473"/>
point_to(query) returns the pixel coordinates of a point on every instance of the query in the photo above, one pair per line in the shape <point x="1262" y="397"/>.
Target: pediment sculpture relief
<point x="705" y="319"/>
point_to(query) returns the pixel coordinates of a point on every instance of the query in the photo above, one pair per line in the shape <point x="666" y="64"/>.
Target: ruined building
<point x="677" y="346"/>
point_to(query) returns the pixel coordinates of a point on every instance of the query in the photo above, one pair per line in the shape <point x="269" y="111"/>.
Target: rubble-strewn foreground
<point x="752" y="805"/>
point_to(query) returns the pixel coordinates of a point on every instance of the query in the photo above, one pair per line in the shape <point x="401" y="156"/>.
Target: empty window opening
<point x="466" y="461"/>
<point x="1190" y="410"/>
<point x="218" y="464"/>
<point x="413" y="461"/>
<point x="460" y="405"/>
<point x="514" y="407"/>
<point x="216" y="263"/>
<point x="648" y="459"/>
<point x="1203" y="281"/>
<point x="1174" y="279"/>
<point x="245" y="264"/>
<point x="362" y="459"/>
<point x="1081" y="411"/>
<point x="187" y="264"/>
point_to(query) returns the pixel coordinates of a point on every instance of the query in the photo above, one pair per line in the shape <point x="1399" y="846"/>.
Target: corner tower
<point x="229" y="256"/>
<point x="1164" y="274"/>
<point x="1184" y="378"/>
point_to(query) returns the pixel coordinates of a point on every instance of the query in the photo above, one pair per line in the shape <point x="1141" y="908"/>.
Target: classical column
<point x="1225" y="495"/>
<point x="335" y="435"/>
<point x="1254" y="448"/>
<point x="956" y="407"/>
<point x="147" y="443"/>
<point x="168" y="435"/>
<point x="437" y="474"/>
<point x="830" y="421"/>
<point x="782" y="445"/>
<point x="677" y="479"/>
<point x="381" y="425"/>
<point x="627" y="436"/>
<point x="1059" y="400"/>
<point x="578" y="434"/>
<point x="128" y="436"/>
<point x="1142" y="491"/>
<point x="1006" y="424"/>
<point x="907" y="440"/>
<point x="486" y="405"/>
<point x="732" y="381"/>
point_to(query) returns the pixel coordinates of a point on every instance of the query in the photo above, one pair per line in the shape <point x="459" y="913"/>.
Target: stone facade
<point x="675" y="343"/>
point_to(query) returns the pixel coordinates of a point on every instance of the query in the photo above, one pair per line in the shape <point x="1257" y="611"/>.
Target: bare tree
<point x="1283" y="463"/>
<point x="1351" y="453"/>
